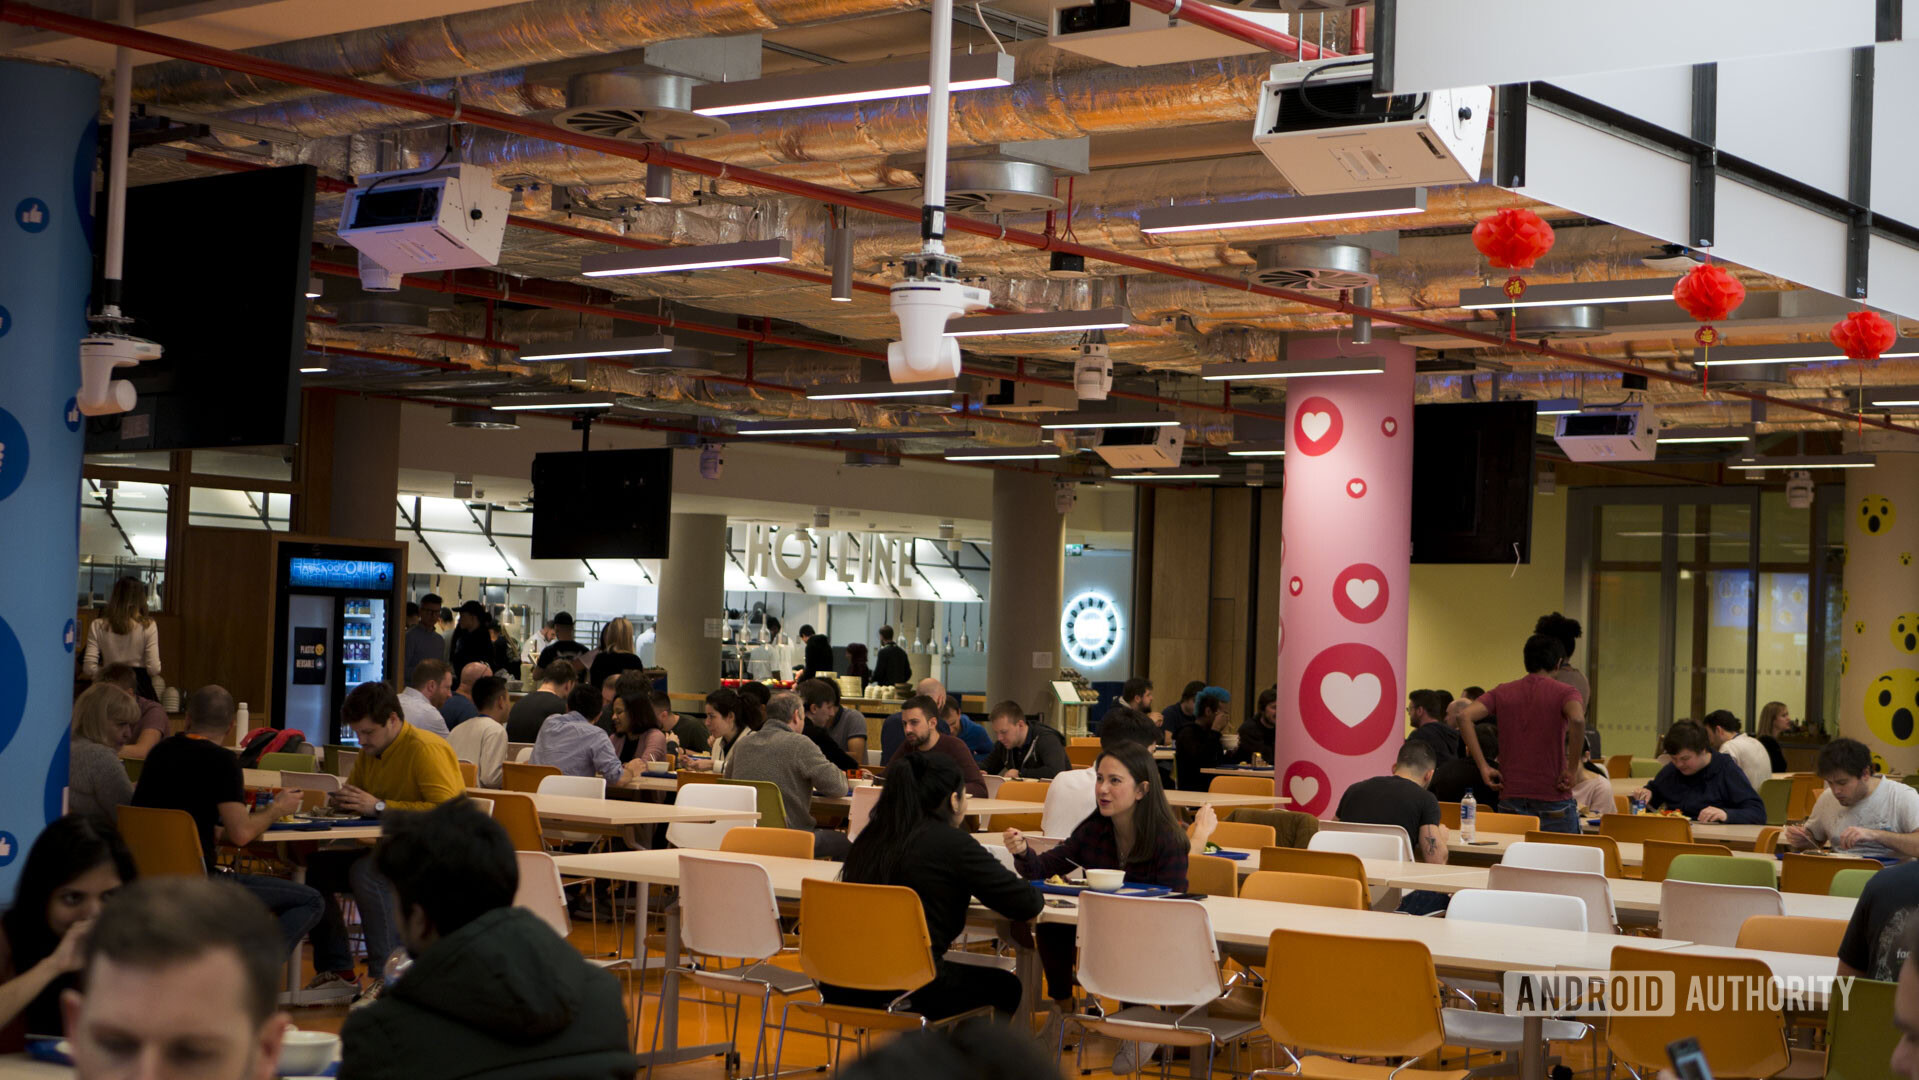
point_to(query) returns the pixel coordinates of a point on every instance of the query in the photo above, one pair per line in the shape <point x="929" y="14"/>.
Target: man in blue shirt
<point x="1708" y="787"/>
<point x="976" y="738"/>
<point x="577" y="746"/>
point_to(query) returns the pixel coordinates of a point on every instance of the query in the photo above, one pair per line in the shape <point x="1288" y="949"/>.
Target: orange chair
<point x="1739" y="1041"/>
<point x="864" y="937"/>
<point x="1261" y="786"/>
<point x="1621" y="804"/>
<point x="520" y="817"/>
<point x="1813" y="873"/>
<point x="1805" y="792"/>
<point x="1660" y="854"/>
<point x="1032" y="791"/>
<point x="1767" y="841"/>
<point x="1082" y="757"/>
<point x="164" y="843"/>
<point x="1245" y="834"/>
<point x="519" y="776"/>
<point x="1317" y="890"/>
<point x="1449" y="815"/>
<point x="1606" y="844"/>
<point x="1083" y="740"/>
<point x="1793" y="934"/>
<point x="1619" y="766"/>
<point x="470" y="773"/>
<point x="1337" y="864"/>
<point x="1493" y="821"/>
<point x="1210" y="875"/>
<point x="785" y="843"/>
<point x="1401" y="1017"/>
<point x="1639" y="828"/>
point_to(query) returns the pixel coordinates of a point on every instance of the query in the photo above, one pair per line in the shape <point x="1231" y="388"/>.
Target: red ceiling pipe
<point x="144" y="41"/>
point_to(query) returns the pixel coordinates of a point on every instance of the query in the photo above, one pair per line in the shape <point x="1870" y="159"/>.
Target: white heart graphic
<point x="1315" y="425"/>
<point x="1362" y="592"/>
<point x="1304" y="789"/>
<point x="1357" y="487"/>
<point x="1391" y="425"/>
<point x="1350" y="699"/>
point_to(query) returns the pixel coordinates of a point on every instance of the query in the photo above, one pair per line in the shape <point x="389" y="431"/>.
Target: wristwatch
<point x="379" y="807"/>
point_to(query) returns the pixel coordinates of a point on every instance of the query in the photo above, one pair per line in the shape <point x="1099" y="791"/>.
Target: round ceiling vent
<point x="373" y="315"/>
<point x="999" y="186"/>
<point x="1572" y="321"/>
<point x="637" y="106"/>
<point x="1313" y="266"/>
<point x="482" y="419"/>
<point x="692" y="363"/>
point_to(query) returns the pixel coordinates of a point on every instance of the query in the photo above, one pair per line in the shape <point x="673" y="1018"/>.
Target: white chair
<point x="581" y="787"/>
<point x="862" y="811"/>
<point x="523" y="755"/>
<point x="1364" y="845"/>
<point x="1005" y="857"/>
<point x="1591" y="889"/>
<point x="1708" y="914"/>
<point x="1393" y="832"/>
<point x="728" y="912"/>
<point x="347" y="760"/>
<point x="540" y="891"/>
<point x="1538" y="856"/>
<point x="1170" y="984"/>
<point x="1477" y="1030"/>
<point x="710" y="797"/>
<point x="873" y="757"/>
<point x="485" y="805"/>
<point x="992" y="785"/>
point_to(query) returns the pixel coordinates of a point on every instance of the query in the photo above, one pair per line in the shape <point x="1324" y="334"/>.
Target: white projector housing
<point x="417" y="222"/>
<point x="1629" y="434"/>
<point x="1133" y="36"/>
<point x="1143" y="447"/>
<point x="1358" y="148"/>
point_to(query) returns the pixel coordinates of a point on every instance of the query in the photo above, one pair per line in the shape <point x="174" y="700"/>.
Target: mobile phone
<point x="1058" y="903"/>
<point x="1688" y="1060"/>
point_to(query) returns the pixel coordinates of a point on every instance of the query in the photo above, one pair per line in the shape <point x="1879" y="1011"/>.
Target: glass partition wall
<point x="1703" y="598"/>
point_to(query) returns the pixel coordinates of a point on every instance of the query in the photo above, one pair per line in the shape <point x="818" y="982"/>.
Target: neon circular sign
<point x="1090" y="629"/>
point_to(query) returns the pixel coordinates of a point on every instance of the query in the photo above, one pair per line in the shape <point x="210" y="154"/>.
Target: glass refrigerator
<point x="332" y="633"/>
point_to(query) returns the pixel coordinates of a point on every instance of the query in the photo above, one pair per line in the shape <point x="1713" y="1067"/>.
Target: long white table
<point x="1491" y="847"/>
<point x="1628" y="894"/>
<point x="618" y="814"/>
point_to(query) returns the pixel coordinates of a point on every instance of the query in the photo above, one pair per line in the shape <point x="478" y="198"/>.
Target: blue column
<point x="49" y="130"/>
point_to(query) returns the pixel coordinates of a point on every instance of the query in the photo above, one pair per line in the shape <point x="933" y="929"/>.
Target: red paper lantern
<point x="1709" y="293"/>
<point x="1513" y="239"/>
<point x="1863" y="335"/>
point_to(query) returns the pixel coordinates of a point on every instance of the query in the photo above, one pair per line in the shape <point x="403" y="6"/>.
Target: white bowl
<point x="657" y="768"/>
<point x="1105" y="880"/>
<point x="306" y="1053"/>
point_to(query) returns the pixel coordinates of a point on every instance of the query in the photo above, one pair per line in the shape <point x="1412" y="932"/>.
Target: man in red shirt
<point x="919" y="718"/>
<point x="1542" y="737"/>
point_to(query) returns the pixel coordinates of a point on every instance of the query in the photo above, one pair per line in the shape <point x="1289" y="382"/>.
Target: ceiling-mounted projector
<point x="1117" y="32"/>
<point x="1325" y="131"/>
<point x="1142" y="447"/>
<point x="413" y="222"/>
<point x="1629" y="433"/>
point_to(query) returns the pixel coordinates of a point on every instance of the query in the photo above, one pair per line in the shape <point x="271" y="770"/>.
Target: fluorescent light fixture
<point x="556" y="402"/>
<point x="1809" y="461"/>
<point x="1042" y="452"/>
<point x="796" y="427"/>
<point x="1701" y="436"/>
<point x="315" y="288"/>
<point x="880" y="391"/>
<point x="1563" y="406"/>
<point x="313" y="371"/>
<point x="1041" y="322"/>
<point x="700" y="257"/>
<point x="1571" y="294"/>
<point x="848" y="82"/>
<point x="1193" y="472"/>
<point x="1086" y="420"/>
<point x="1805" y="352"/>
<point x="578" y="348"/>
<point x="1895" y="398"/>
<point x="1257" y="449"/>
<point x="1291" y="369"/>
<point x="1253" y="213"/>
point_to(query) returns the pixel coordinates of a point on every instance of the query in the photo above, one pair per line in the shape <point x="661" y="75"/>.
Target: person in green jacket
<point x="492" y="990"/>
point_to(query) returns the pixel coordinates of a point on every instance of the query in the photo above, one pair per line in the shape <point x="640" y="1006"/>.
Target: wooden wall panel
<point x="1182" y="589"/>
<point x="226" y="615"/>
<point x="1231" y="585"/>
<point x="1266" y="605"/>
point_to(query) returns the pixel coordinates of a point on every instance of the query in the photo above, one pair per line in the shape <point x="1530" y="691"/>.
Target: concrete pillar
<point x="1345" y="559"/>
<point x="1029" y="554"/>
<point x="1879" y="629"/>
<point x="49" y="129"/>
<point x="366" y="469"/>
<point x="692" y="591"/>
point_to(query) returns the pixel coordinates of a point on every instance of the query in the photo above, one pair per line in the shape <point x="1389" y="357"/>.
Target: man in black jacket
<point x="492" y="989"/>
<point x="891" y="667"/>
<point x="1426" y="711"/>
<point x="819" y="654"/>
<point x="1022" y="750"/>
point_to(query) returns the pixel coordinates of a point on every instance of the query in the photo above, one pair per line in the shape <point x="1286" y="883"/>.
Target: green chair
<point x="1860" y="1036"/>
<point x="1645" y="768"/>
<point x="1777" y="795"/>
<point x="287" y="762"/>
<point x="132" y="766"/>
<point x="1849" y="883"/>
<point x="772" y="804"/>
<point x="1912" y="781"/>
<point x="1723" y="870"/>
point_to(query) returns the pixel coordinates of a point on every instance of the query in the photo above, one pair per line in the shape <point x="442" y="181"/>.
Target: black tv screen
<point x="1473" y="482"/>
<point x="602" y="504"/>
<point x="216" y="271"/>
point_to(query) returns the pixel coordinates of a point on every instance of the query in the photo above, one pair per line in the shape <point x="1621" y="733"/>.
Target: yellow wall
<point x="1468" y="622"/>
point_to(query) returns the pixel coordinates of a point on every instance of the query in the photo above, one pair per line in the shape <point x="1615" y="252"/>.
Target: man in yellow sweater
<point x="400" y="767"/>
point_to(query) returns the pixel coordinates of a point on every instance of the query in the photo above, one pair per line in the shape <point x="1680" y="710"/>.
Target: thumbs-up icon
<point x="32" y="215"/>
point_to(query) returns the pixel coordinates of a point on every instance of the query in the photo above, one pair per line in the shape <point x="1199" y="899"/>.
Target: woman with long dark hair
<point x="1132" y="829"/>
<point x="74" y="865"/>
<point x="914" y="839"/>
<point x="728" y="714"/>
<point x="636" y="728"/>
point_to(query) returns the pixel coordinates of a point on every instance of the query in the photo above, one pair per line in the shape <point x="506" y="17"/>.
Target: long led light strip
<point x="795" y="427"/>
<point x="847" y="83"/>
<point x="1253" y="213"/>
<point x="1272" y="449"/>
<point x="871" y="391"/>
<point x="1700" y="436"/>
<point x="1564" y="406"/>
<point x="1291" y="369"/>
<point x="1005" y="453"/>
<point x="1828" y="461"/>
<point x="702" y="257"/>
<point x="581" y="348"/>
<point x="1571" y="294"/>
<point x="1084" y="420"/>
<point x="1191" y="473"/>
<point x="556" y="403"/>
<point x="1041" y="322"/>
<point x="1803" y="353"/>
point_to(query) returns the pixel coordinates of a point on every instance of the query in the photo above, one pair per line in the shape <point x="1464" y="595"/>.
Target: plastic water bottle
<point x="1639" y="803"/>
<point x="241" y="723"/>
<point x="1468" y="814"/>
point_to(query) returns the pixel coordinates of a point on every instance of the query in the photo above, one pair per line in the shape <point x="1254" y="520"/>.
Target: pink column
<point x="1345" y="554"/>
